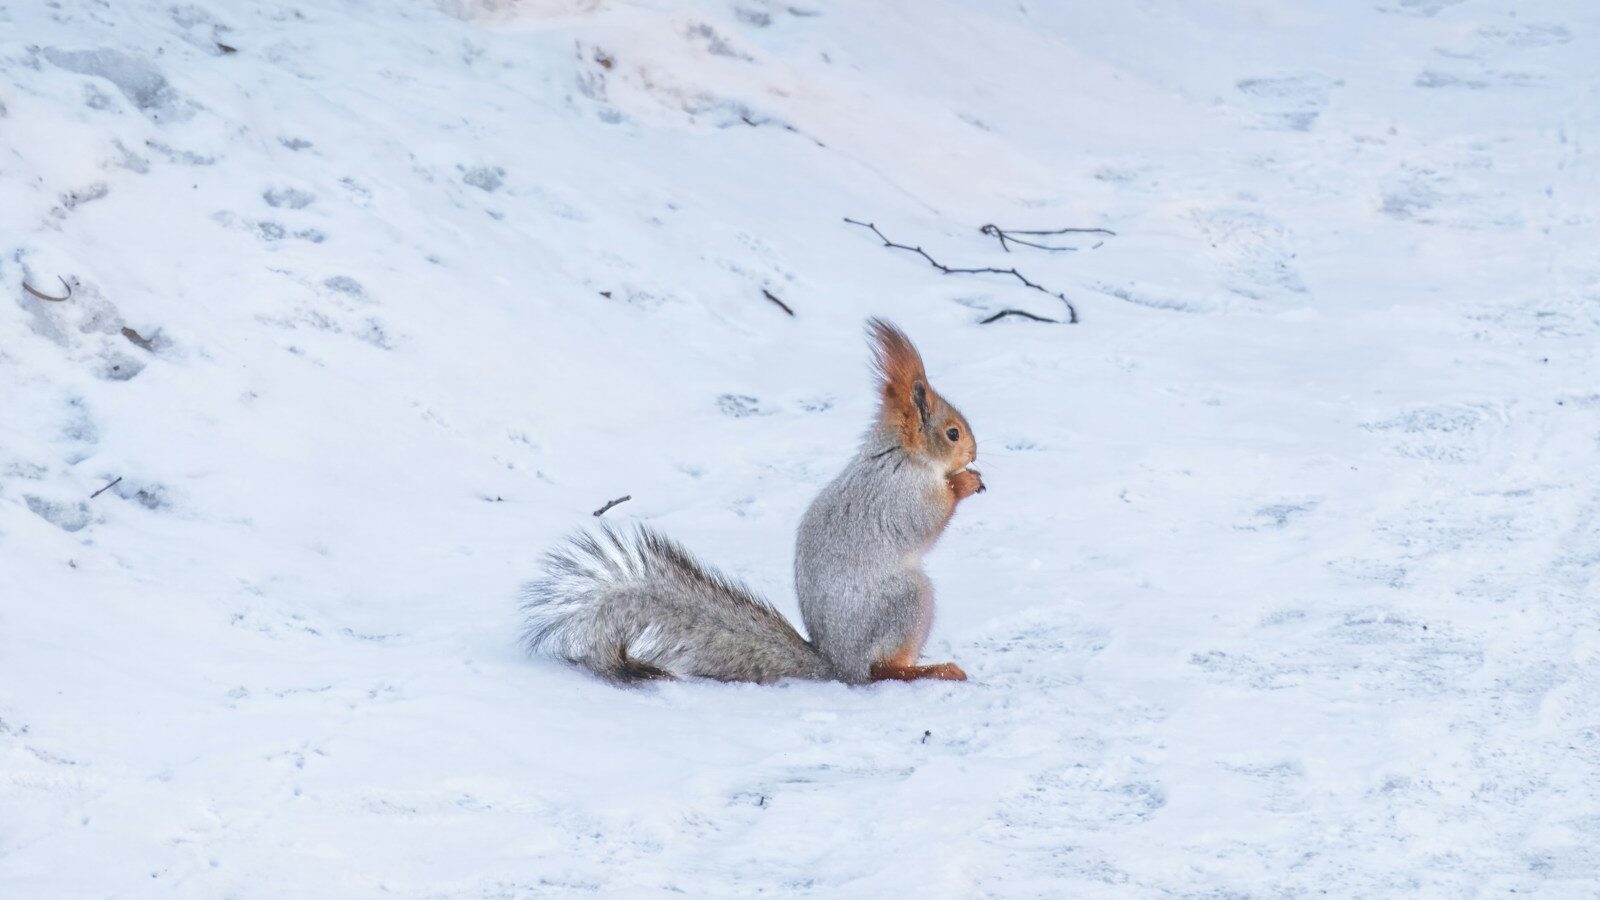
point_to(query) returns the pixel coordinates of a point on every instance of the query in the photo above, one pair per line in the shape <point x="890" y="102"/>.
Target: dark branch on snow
<point x="106" y="488"/>
<point x="1072" y="311"/>
<point x="43" y="296"/>
<point x="1009" y="235"/>
<point x="610" y="503"/>
<point x="1017" y="312"/>
<point x="781" y="305"/>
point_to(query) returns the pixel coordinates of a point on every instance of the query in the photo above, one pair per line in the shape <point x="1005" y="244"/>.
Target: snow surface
<point x="1285" y="584"/>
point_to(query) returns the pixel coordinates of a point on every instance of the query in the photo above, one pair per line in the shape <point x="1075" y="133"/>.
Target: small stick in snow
<point x="106" y="488"/>
<point x="1003" y="235"/>
<point x="781" y="305"/>
<point x="43" y="296"/>
<point x="610" y="503"/>
<point x="1016" y="312"/>
<point x="1072" y="311"/>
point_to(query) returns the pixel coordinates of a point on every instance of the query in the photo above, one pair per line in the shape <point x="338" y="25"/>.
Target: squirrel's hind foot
<point x="949" y="671"/>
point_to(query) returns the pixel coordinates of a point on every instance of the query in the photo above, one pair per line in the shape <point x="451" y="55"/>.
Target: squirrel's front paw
<point x="966" y="483"/>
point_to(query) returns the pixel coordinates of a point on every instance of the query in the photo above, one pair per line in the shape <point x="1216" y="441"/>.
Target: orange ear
<point x="902" y="380"/>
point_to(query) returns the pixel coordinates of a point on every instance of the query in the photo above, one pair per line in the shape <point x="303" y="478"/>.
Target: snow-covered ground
<point x="1285" y="583"/>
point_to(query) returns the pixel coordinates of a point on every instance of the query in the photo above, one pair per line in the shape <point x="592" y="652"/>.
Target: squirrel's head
<point x="927" y="426"/>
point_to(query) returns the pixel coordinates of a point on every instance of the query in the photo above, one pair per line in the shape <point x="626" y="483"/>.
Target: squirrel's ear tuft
<point x="898" y="363"/>
<point x="900" y="377"/>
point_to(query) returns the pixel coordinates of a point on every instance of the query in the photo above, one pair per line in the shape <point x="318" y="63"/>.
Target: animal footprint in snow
<point x="292" y="198"/>
<point x="1287" y="102"/>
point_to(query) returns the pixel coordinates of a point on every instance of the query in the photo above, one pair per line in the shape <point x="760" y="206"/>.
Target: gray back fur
<point x="858" y="557"/>
<point x="635" y="606"/>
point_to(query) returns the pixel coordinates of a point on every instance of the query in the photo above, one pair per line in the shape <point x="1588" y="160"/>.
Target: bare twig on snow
<point x="1072" y="311"/>
<point x="1017" y="312"/>
<point x="781" y="305"/>
<point x="106" y="488"/>
<point x="610" y="503"/>
<point x="1009" y="235"/>
<point x="43" y="296"/>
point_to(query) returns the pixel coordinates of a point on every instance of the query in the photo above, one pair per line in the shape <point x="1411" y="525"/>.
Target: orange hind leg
<point x="902" y="667"/>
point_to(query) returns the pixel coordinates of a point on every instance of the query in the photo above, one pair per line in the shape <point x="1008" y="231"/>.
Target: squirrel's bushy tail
<point x="636" y="606"/>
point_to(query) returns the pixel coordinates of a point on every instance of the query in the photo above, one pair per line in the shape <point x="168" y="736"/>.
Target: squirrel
<point x="636" y="606"/>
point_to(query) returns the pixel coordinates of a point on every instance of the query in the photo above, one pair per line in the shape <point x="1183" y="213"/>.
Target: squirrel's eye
<point x="953" y="434"/>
